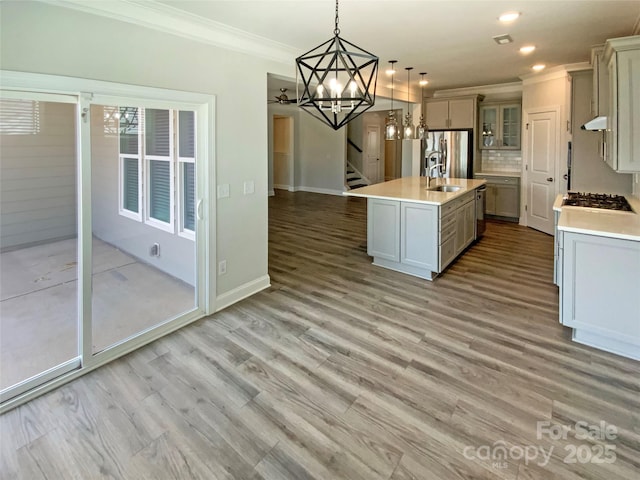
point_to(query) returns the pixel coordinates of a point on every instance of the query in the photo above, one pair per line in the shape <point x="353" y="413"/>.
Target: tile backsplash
<point x="500" y="161"/>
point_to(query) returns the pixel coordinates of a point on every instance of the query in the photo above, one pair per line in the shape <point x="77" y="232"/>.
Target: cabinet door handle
<point x="549" y="179"/>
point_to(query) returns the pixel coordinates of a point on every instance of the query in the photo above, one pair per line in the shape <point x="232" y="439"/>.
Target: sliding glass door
<point x="103" y="242"/>
<point x="38" y="240"/>
<point x="143" y="180"/>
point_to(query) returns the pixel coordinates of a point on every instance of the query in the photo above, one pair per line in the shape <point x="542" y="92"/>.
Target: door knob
<point x="550" y="179"/>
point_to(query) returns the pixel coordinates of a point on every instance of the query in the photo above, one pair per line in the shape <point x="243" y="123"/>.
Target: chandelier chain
<point x="336" y="31"/>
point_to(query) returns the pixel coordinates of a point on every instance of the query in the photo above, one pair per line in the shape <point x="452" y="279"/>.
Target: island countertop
<point x="601" y="222"/>
<point x="414" y="189"/>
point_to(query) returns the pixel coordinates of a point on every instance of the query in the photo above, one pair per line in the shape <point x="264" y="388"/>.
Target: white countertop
<point x="601" y="222"/>
<point x="414" y="189"/>
<point x="500" y="174"/>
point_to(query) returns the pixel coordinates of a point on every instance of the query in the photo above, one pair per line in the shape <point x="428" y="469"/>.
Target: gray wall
<point x="177" y="254"/>
<point x="590" y="173"/>
<point x="41" y="38"/>
<point x="38" y="176"/>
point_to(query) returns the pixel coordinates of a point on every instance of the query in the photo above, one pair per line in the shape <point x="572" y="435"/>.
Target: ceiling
<point x="451" y="40"/>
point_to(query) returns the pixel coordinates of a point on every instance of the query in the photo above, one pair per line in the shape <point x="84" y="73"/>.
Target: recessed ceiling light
<point x="538" y="67"/>
<point x="508" y="17"/>
<point x="503" y="39"/>
<point x="527" y="49"/>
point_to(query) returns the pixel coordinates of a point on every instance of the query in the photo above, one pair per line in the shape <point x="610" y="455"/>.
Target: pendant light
<point x="391" y="130"/>
<point x="421" y="128"/>
<point x="408" y="119"/>
<point x="339" y="80"/>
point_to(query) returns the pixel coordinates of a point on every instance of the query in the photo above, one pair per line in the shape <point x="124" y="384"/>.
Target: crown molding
<point x="177" y="22"/>
<point x="514" y="88"/>
<point x="551" y="74"/>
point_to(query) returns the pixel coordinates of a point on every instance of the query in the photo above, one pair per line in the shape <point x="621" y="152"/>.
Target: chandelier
<point x="391" y="130"/>
<point x="339" y="80"/>
<point x="421" y="128"/>
<point x="408" y="119"/>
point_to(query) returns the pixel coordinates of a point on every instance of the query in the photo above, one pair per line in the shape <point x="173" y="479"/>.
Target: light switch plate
<point x="249" y="187"/>
<point x="223" y="190"/>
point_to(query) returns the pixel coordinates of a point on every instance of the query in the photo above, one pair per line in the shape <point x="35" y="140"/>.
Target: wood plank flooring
<point x="343" y="370"/>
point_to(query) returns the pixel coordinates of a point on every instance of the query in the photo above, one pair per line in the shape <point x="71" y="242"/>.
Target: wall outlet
<point x="222" y="267"/>
<point x="154" y="250"/>
<point x="249" y="187"/>
<point x="223" y="190"/>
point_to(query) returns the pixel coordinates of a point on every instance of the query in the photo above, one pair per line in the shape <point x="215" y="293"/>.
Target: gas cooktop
<point x="596" y="200"/>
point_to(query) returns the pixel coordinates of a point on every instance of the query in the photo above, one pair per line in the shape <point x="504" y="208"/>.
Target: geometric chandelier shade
<point x="339" y="80"/>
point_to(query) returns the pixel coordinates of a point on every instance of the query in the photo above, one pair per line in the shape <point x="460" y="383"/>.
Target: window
<point x="130" y="144"/>
<point x="186" y="161"/>
<point x="153" y="167"/>
<point x="159" y="159"/>
<point x="19" y="117"/>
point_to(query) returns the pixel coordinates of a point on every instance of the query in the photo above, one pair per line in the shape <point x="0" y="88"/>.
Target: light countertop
<point x="601" y="222"/>
<point x="499" y="174"/>
<point x="414" y="189"/>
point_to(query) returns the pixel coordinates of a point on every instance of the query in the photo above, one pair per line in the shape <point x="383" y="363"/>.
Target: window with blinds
<point x="159" y="158"/>
<point x="156" y="171"/>
<point x="129" y="142"/>
<point x="186" y="159"/>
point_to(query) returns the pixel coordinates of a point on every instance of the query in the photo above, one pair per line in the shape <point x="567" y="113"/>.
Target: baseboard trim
<point x="271" y="193"/>
<point x="325" y="191"/>
<point x="243" y="291"/>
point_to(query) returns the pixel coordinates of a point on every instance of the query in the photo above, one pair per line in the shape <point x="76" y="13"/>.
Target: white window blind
<point x="186" y="157"/>
<point x="159" y="155"/>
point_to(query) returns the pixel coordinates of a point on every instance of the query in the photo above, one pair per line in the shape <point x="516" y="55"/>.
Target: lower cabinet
<point x="600" y="291"/>
<point x="502" y="196"/>
<point x="419" y="239"/>
<point x="383" y="229"/>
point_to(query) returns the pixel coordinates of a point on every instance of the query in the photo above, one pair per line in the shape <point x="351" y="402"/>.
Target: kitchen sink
<point x="445" y="188"/>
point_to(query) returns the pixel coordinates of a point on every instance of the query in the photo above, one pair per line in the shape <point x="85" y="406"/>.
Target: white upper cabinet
<point x="622" y="57"/>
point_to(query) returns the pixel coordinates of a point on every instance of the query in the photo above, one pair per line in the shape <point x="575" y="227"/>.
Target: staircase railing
<point x="352" y="143"/>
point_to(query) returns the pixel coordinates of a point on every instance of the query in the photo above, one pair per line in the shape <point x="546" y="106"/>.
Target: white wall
<point x="38" y="177"/>
<point x="41" y="38"/>
<point x="177" y="254"/>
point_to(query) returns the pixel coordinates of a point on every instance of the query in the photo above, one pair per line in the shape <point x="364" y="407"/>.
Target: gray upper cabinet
<point x="451" y="113"/>
<point x="622" y="146"/>
<point x="500" y="126"/>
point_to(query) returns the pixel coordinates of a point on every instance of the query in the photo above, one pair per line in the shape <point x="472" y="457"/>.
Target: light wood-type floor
<point x="343" y="370"/>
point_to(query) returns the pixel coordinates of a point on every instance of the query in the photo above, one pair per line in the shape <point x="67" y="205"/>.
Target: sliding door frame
<point x="87" y="93"/>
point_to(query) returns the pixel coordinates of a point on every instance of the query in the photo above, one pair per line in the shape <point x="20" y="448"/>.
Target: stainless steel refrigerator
<point x="452" y="149"/>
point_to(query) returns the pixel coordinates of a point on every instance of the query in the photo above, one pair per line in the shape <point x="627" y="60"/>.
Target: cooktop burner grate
<point x="596" y="200"/>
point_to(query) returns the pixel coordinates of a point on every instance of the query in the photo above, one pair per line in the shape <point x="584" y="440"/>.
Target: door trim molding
<point x="524" y="184"/>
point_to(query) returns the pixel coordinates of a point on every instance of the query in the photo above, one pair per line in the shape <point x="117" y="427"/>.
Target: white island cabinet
<point x="417" y="231"/>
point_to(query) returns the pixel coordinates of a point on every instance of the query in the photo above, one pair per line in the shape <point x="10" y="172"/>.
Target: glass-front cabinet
<point x="500" y="126"/>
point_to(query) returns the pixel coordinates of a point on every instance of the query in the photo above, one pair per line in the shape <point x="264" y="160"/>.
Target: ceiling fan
<point x="283" y="99"/>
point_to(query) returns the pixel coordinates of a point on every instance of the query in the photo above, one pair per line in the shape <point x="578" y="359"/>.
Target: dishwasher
<point x="481" y="202"/>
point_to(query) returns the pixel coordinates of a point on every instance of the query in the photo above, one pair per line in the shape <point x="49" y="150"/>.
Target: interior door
<point x="542" y="152"/>
<point x="372" y="153"/>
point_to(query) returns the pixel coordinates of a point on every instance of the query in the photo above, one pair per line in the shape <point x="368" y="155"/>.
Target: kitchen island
<point x="597" y="269"/>
<point x="418" y="230"/>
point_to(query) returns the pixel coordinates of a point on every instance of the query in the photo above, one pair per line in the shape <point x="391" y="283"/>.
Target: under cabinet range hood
<point x="598" y="123"/>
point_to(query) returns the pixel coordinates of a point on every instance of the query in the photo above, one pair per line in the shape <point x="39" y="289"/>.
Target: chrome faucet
<point x="431" y="168"/>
